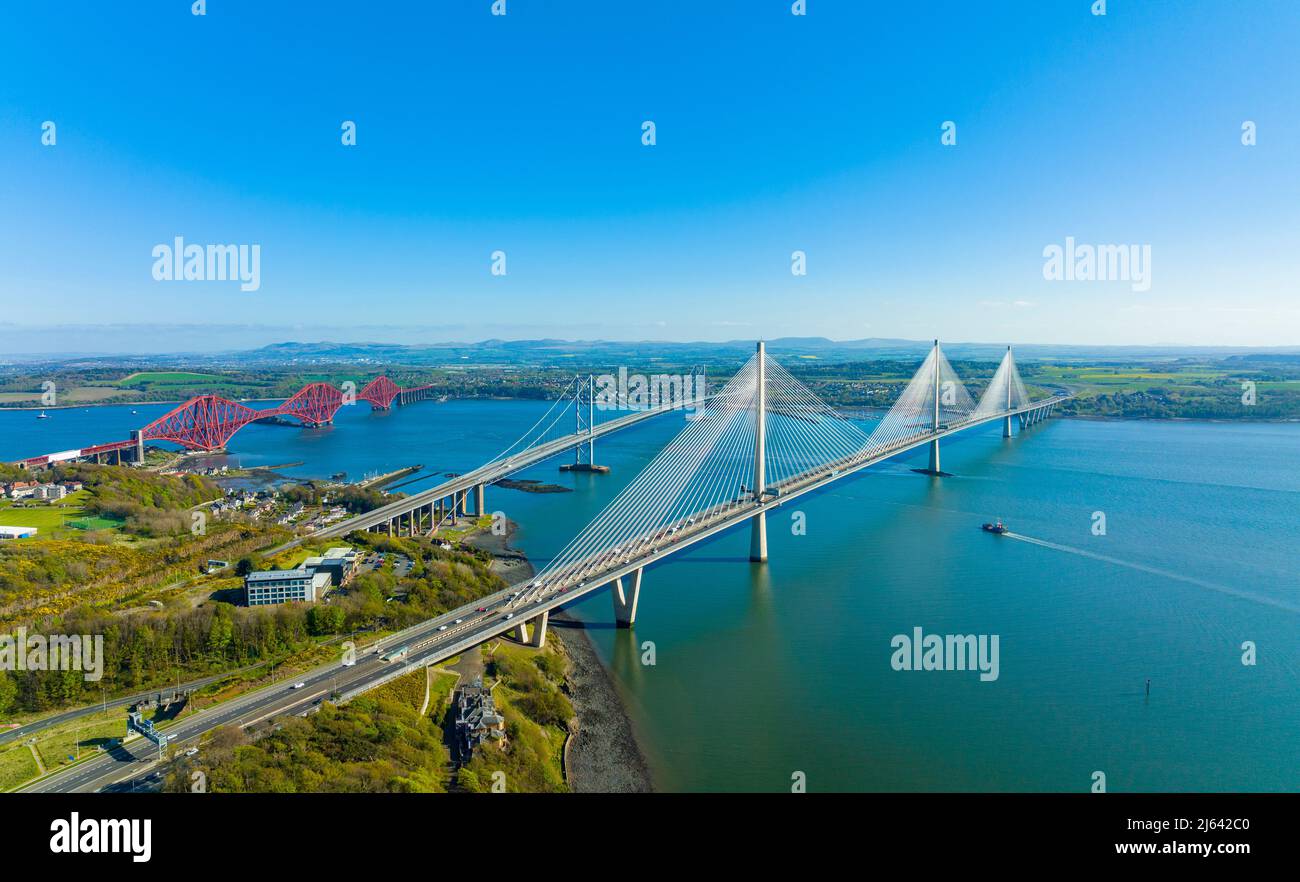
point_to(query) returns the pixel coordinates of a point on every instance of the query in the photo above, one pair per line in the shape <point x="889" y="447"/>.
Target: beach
<point x="603" y="755"/>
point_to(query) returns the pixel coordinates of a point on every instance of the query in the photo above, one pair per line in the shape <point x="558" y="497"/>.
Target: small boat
<point x="42" y="416"/>
<point x="998" y="527"/>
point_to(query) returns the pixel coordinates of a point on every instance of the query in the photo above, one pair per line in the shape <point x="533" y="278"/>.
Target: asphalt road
<point x="444" y="636"/>
<point x="428" y="642"/>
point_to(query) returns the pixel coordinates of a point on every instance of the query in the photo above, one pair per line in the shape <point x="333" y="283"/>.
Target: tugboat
<point x="998" y="527"/>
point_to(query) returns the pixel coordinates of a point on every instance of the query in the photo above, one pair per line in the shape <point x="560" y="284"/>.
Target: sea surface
<point x="762" y="672"/>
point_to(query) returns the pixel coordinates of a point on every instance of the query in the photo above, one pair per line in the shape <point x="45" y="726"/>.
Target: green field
<point x="57" y="743"/>
<point x="169" y="378"/>
<point x="50" y="518"/>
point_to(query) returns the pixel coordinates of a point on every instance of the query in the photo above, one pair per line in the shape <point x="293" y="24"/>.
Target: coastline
<point x="602" y="754"/>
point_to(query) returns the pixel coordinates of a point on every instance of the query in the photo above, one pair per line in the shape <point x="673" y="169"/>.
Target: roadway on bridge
<point x="487" y="474"/>
<point x="470" y="625"/>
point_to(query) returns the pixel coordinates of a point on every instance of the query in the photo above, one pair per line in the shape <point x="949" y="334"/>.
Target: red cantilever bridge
<point x="208" y="422"/>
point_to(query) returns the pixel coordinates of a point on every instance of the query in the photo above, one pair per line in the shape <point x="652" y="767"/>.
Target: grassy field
<point x="440" y="694"/>
<point x="50" y="518"/>
<point x="73" y="395"/>
<point x="144" y="379"/>
<point x="16" y="766"/>
<point x="407" y="690"/>
<point x="56" y="744"/>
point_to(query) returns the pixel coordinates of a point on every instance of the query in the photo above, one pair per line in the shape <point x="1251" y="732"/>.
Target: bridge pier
<point x="480" y="500"/>
<point x="137" y="435"/>
<point x="758" y="538"/>
<point x="1006" y="427"/>
<point x="934" y="457"/>
<point x="625" y="599"/>
<point x="537" y="639"/>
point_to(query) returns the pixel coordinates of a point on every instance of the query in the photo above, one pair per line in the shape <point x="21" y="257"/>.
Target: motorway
<point x="475" y="623"/>
<point x="428" y="643"/>
<point x="45" y="722"/>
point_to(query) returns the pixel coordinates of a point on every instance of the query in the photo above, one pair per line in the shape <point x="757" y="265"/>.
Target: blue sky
<point x="775" y="133"/>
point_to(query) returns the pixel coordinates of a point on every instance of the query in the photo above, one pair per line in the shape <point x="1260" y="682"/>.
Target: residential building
<point x="477" y="720"/>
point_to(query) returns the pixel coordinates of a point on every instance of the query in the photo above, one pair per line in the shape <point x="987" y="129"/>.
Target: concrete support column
<point x="137" y="435"/>
<point x="538" y="623"/>
<point x="521" y="632"/>
<point x="390" y="526"/>
<point x="625" y="600"/>
<point x="1006" y="427"/>
<point x="480" y="500"/>
<point x="934" y="456"/>
<point x="758" y="537"/>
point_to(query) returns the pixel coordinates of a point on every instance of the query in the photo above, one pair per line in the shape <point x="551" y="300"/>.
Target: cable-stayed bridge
<point x="424" y="512"/>
<point x="762" y="441"/>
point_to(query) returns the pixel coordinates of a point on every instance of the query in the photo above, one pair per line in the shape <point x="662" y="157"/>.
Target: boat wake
<point x="1155" y="571"/>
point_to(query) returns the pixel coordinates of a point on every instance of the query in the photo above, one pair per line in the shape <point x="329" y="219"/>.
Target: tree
<point x="8" y="692"/>
<point x="244" y="567"/>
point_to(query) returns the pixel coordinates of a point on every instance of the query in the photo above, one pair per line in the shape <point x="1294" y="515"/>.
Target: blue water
<point x="762" y="671"/>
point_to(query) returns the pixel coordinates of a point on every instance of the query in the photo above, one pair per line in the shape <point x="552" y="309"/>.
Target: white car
<point x="191" y="751"/>
<point x="297" y="685"/>
<point x="442" y="627"/>
<point x="458" y="621"/>
<point x="510" y="615"/>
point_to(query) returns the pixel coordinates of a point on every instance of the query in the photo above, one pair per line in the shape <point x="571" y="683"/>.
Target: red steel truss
<point x="314" y="405"/>
<point x="380" y="392"/>
<point x="203" y="423"/>
<point x="209" y="421"/>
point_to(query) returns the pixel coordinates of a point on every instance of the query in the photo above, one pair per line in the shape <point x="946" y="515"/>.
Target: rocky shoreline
<point x="603" y="755"/>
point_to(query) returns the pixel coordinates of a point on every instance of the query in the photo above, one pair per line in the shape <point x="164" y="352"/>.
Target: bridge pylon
<point x="1006" y="422"/>
<point x="758" y="528"/>
<point x="585" y="424"/>
<point x="934" y="445"/>
<point x="625" y="598"/>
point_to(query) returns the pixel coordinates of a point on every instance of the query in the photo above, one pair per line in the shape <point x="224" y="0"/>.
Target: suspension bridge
<point x="423" y="513"/>
<point x="762" y="441"/>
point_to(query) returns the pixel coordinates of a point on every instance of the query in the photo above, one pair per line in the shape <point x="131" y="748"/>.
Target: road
<point x="486" y="474"/>
<point x="470" y="625"/>
<point x="429" y="642"/>
<point x="45" y="722"/>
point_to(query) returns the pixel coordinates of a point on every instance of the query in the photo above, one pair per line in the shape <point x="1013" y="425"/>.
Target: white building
<point x="279" y="586"/>
<point x="17" y="532"/>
